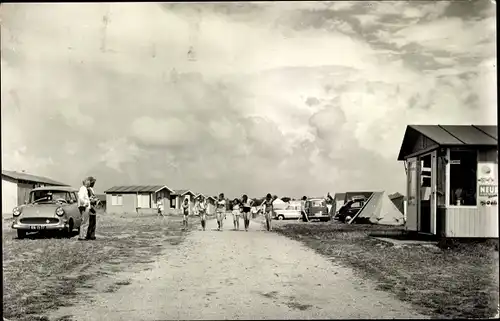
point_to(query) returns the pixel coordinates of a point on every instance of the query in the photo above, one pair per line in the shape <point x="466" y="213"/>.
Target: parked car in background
<point x="291" y="211"/>
<point x="52" y="208"/>
<point x="351" y="208"/>
<point x="316" y="209"/>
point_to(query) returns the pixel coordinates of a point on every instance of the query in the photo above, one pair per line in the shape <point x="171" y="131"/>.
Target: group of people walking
<point x="239" y="207"/>
<point x="87" y="202"/>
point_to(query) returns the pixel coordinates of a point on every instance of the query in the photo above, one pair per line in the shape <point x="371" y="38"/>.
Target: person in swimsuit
<point x="202" y="211"/>
<point x="220" y="211"/>
<point x="246" y="206"/>
<point x="185" y="212"/>
<point x="236" y="213"/>
<point x="268" y="211"/>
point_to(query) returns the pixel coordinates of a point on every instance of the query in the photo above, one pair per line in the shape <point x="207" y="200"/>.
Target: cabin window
<point x="172" y="202"/>
<point x="117" y="200"/>
<point x="463" y="177"/>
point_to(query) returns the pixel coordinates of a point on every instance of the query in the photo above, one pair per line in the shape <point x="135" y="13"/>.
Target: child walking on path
<point x="202" y="211"/>
<point x="185" y="212"/>
<point x="236" y="213"/>
<point x="159" y="205"/>
<point x="221" y="211"/>
<point x="246" y="206"/>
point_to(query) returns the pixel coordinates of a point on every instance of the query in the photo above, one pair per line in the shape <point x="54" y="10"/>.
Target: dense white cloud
<point x="288" y="98"/>
<point x="164" y="132"/>
<point x="118" y="151"/>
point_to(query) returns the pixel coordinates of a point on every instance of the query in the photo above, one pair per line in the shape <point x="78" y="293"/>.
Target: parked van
<point x="316" y="209"/>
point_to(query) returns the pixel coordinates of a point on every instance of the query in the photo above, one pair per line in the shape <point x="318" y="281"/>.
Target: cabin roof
<point x="449" y="135"/>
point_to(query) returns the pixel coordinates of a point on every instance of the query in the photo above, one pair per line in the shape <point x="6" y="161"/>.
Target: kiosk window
<point x="463" y="177"/>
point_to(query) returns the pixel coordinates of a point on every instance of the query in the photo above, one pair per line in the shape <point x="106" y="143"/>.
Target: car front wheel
<point x="21" y="234"/>
<point x="281" y="217"/>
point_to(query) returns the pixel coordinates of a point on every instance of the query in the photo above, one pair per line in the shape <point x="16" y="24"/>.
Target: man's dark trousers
<point x="92" y="224"/>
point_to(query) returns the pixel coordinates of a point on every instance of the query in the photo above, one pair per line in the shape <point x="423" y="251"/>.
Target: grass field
<point x="452" y="283"/>
<point x="43" y="273"/>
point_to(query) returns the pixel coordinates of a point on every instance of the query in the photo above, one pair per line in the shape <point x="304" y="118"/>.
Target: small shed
<point x="137" y="198"/>
<point x="452" y="180"/>
<point x="17" y="185"/>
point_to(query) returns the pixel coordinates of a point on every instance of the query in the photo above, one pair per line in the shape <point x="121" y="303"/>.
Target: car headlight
<point x="59" y="211"/>
<point x="16" y="211"/>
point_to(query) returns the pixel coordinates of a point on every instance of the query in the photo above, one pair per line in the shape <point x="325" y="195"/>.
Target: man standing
<point x="329" y="203"/>
<point x="84" y="207"/>
<point x="303" y="211"/>
<point x="92" y="210"/>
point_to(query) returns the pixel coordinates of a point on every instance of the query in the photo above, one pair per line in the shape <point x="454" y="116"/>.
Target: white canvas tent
<point x="379" y="209"/>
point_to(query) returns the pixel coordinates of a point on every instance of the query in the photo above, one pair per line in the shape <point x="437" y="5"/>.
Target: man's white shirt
<point x="83" y="197"/>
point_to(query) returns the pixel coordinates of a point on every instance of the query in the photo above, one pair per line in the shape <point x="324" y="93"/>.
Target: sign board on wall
<point x="487" y="185"/>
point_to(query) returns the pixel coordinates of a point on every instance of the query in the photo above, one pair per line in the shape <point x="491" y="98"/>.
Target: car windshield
<point x="318" y="203"/>
<point x="48" y="196"/>
<point x="356" y="205"/>
<point x="345" y="206"/>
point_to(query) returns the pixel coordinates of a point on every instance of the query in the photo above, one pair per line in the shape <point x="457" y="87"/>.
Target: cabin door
<point x="427" y="193"/>
<point x="412" y="189"/>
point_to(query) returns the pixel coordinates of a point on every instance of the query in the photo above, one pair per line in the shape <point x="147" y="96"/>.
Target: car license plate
<point x="38" y="227"/>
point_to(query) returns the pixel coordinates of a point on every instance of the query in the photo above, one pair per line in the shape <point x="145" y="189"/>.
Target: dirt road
<point x="241" y="275"/>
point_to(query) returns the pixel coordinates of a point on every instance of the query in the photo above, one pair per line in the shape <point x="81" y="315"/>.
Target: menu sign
<point x="487" y="184"/>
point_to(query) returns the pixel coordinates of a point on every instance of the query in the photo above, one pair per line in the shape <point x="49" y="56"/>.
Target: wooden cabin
<point x="452" y="180"/>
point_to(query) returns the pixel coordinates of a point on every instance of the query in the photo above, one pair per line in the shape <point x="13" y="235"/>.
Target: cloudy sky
<point x="295" y="99"/>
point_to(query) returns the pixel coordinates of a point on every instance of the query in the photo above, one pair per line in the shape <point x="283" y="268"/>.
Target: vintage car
<point x="316" y="209"/>
<point x="291" y="211"/>
<point x="48" y="208"/>
<point x="351" y="208"/>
